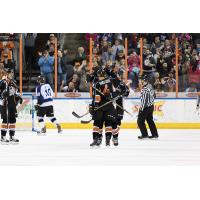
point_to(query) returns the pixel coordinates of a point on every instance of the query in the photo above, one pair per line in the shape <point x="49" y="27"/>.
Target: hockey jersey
<point x="44" y="95"/>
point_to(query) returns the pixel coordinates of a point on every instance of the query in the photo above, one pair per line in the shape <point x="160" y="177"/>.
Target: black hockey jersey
<point x="8" y="93"/>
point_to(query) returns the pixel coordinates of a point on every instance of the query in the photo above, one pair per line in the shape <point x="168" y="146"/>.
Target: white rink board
<point x="165" y="110"/>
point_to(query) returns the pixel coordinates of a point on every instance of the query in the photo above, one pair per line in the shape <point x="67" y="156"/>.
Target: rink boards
<point x="168" y="113"/>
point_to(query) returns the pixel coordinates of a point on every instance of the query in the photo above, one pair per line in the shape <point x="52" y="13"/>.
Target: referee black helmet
<point x="144" y="77"/>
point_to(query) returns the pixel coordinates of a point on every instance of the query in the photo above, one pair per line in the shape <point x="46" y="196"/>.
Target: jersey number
<point x="48" y="92"/>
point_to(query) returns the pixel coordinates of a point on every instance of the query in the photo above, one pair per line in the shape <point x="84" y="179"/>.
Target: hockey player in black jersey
<point x="117" y="75"/>
<point x="106" y="86"/>
<point x="102" y="93"/>
<point x="9" y="100"/>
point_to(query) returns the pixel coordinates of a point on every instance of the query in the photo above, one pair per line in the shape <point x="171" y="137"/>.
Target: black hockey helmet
<point x="41" y="79"/>
<point x="144" y="77"/>
<point x="101" y="73"/>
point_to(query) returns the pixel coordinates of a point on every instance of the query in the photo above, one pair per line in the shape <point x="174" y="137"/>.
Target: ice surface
<point x="174" y="147"/>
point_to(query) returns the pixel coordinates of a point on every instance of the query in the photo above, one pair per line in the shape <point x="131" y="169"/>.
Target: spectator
<point x="156" y="45"/>
<point x="8" y="63"/>
<point x="2" y="71"/>
<point x="194" y="74"/>
<point x="69" y="88"/>
<point x="158" y="83"/>
<point x="149" y="64"/>
<point x="82" y="72"/>
<point x="104" y="46"/>
<point x="134" y="69"/>
<point x="76" y="81"/>
<point x="184" y="76"/>
<point x="120" y="55"/>
<point x="80" y="56"/>
<point x="50" y="45"/>
<point x="169" y="83"/>
<point x="117" y="47"/>
<point x="46" y="66"/>
<point x="61" y="75"/>
<point x="191" y="88"/>
<point x="108" y="55"/>
<point x="29" y="49"/>
<point x="67" y="67"/>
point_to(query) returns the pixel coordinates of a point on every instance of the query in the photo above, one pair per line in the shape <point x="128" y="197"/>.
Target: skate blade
<point x="154" y="138"/>
<point x="41" y="134"/>
<point x="60" y="132"/>
<point x="144" y="139"/>
<point x="4" y="143"/>
<point x="95" y="147"/>
<point x="14" y="143"/>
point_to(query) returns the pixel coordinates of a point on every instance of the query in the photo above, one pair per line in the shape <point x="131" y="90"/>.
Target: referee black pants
<point x="147" y="115"/>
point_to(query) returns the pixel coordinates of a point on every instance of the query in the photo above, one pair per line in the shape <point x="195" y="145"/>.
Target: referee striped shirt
<point x="147" y="96"/>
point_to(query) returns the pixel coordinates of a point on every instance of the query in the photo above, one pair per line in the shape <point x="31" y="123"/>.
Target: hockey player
<point x="9" y="99"/>
<point x="44" y="105"/>
<point x="105" y="115"/>
<point x="116" y="75"/>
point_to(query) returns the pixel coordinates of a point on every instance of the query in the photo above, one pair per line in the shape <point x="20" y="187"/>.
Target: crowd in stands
<point x="7" y="47"/>
<point x="159" y="61"/>
<point x="69" y="69"/>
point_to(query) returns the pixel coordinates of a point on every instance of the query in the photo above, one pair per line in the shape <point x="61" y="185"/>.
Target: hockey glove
<point x="37" y="107"/>
<point x="5" y="94"/>
<point x="91" y="109"/>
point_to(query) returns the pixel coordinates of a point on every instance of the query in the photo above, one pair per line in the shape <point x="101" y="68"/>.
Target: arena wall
<point x="168" y="113"/>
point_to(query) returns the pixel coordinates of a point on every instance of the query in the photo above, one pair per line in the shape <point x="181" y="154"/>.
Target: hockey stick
<point x="115" y="102"/>
<point x="112" y="100"/>
<point x="79" y="116"/>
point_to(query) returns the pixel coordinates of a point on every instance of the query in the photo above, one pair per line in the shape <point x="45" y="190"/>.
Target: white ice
<point x="174" y="147"/>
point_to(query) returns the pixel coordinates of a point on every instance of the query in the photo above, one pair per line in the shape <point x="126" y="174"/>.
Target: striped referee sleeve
<point x="143" y="99"/>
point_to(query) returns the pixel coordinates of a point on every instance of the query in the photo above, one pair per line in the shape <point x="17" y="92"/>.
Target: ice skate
<point x="143" y="137"/>
<point x="94" y="143"/>
<point x="108" y="141"/>
<point x="42" y="132"/>
<point x="99" y="141"/>
<point x="115" y="141"/>
<point x="13" y="140"/>
<point x="4" y="140"/>
<point x="153" y="137"/>
<point x="59" y="128"/>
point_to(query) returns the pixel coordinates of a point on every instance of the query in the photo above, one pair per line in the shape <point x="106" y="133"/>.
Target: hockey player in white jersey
<point x="44" y="105"/>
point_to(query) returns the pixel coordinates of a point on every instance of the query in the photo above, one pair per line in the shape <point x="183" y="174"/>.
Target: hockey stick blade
<point x="79" y="116"/>
<point x="86" y="122"/>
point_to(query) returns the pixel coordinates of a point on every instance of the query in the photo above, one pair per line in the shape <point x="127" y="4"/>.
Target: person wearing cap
<point x="146" y="110"/>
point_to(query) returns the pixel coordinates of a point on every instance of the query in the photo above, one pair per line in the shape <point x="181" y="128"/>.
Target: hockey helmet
<point x="101" y="73"/>
<point x="144" y="77"/>
<point x="41" y="79"/>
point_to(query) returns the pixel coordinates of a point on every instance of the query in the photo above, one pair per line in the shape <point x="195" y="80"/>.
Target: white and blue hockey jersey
<point x="44" y="95"/>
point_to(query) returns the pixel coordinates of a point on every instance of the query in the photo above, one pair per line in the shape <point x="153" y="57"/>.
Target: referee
<point x="146" y="110"/>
